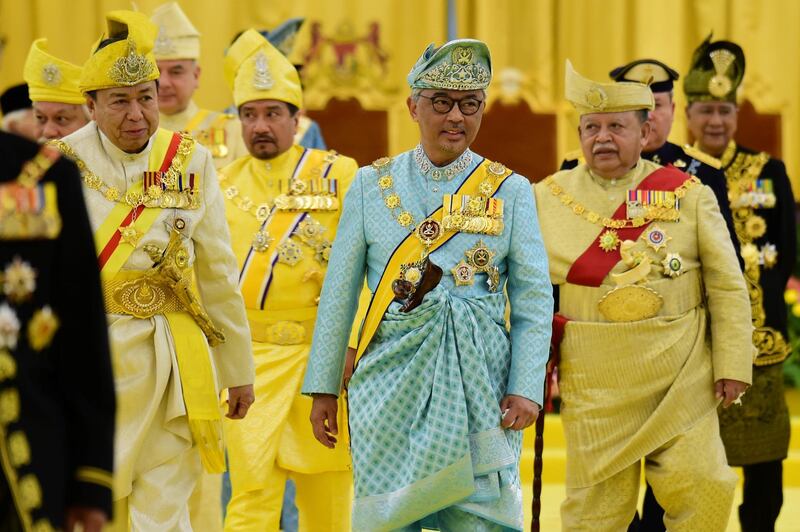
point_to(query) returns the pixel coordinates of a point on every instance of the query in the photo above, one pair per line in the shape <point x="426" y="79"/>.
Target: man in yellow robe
<point x="159" y="222"/>
<point x="655" y="321"/>
<point x="177" y="51"/>
<point x="58" y="104"/>
<point x="283" y="206"/>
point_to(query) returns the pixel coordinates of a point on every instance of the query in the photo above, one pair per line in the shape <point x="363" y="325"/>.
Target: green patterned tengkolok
<point x="717" y="71"/>
<point x="462" y="65"/>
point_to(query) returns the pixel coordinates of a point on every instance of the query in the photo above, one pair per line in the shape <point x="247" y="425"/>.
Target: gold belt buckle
<point x="630" y="303"/>
<point x="286" y="333"/>
<point x="141" y="298"/>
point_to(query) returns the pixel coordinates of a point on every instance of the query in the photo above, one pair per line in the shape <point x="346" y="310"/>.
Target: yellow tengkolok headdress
<point x="51" y="79"/>
<point x="177" y="36"/>
<point x="592" y="97"/>
<point x="256" y="70"/>
<point x="124" y="63"/>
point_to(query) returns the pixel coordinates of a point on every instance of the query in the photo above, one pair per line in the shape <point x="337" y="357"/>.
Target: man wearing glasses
<point x="441" y="389"/>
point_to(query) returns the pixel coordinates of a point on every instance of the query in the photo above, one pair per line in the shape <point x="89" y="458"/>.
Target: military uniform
<point x="57" y="398"/>
<point x="756" y="435"/>
<point x="283" y="213"/>
<point x="641" y="261"/>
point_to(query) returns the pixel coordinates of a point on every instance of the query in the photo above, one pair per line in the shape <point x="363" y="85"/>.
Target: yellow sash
<point x="410" y="250"/>
<point x="122" y="212"/>
<point x="199" y="389"/>
<point x="196" y="120"/>
<point x="257" y="268"/>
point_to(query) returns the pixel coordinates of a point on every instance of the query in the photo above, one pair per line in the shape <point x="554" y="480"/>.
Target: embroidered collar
<point x="427" y="168"/>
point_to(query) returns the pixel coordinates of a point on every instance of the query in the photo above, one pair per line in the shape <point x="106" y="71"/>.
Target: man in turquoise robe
<point x="438" y="400"/>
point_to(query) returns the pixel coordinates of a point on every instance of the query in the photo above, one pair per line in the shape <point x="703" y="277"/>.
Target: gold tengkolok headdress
<point x="126" y="62"/>
<point x="256" y="70"/>
<point x="177" y="36"/>
<point x="593" y="97"/>
<point x="462" y="65"/>
<point x="51" y="79"/>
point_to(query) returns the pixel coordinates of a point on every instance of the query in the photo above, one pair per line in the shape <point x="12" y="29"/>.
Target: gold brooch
<point x="131" y="69"/>
<point x="609" y="240"/>
<point x="42" y="328"/>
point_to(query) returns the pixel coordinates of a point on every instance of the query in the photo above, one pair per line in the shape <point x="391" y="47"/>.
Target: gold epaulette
<point x="575" y="155"/>
<point x="703" y="157"/>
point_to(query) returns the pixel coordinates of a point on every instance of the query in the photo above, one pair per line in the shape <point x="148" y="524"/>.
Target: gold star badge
<point x="656" y="238"/>
<point x="609" y="240"/>
<point x="463" y="274"/>
<point x="130" y="235"/>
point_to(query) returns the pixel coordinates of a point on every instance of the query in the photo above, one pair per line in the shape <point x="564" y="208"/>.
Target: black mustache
<point x="263" y="138"/>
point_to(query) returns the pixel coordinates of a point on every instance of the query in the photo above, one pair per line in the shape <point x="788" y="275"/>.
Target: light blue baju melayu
<point x="424" y="399"/>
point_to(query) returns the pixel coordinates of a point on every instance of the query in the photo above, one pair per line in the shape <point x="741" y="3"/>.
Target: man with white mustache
<point x="641" y="257"/>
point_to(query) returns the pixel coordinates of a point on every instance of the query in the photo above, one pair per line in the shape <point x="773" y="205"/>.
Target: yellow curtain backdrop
<point x="532" y="36"/>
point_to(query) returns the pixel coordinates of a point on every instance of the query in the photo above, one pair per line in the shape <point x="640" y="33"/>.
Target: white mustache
<point x="605" y="146"/>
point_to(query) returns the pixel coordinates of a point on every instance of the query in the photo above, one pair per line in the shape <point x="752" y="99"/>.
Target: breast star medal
<point x="289" y="252"/>
<point x="673" y="265"/>
<point x="463" y="274"/>
<point x="130" y="235"/>
<point x="18" y="281"/>
<point x="609" y="240"/>
<point x="261" y="241"/>
<point x="656" y="238"/>
<point x="480" y="257"/>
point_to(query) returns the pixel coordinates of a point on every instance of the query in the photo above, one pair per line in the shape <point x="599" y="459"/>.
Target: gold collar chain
<point x="591" y="216"/>
<point x="244" y="203"/>
<point x="150" y="197"/>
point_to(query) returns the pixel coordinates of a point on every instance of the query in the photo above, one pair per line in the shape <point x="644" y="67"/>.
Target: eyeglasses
<point x="444" y="104"/>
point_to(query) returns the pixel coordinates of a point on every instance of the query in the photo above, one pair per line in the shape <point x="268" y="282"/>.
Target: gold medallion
<point x="673" y="265"/>
<point x="429" y="231"/>
<point x="289" y="252"/>
<point x="130" y="235"/>
<point x="630" y="303"/>
<point x="609" y="240"/>
<point x="261" y="241"/>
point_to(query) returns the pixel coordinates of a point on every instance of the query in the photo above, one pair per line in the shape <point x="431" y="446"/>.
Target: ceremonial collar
<point x="625" y="180"/>
<point x="118" y="155"/>
<point x="437" y="173"/>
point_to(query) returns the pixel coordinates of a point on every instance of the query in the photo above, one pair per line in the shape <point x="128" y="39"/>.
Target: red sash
<point x="134" y="213"/>
<point x="594" y="264"/>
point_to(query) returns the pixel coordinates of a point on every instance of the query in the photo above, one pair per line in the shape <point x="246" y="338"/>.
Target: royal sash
<point x="594" y="264"/>
<point x="112" y="252"/>
<point x="255" y="276"/>
<point x="199" y="389"/>
<point x="409" y="250"/>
